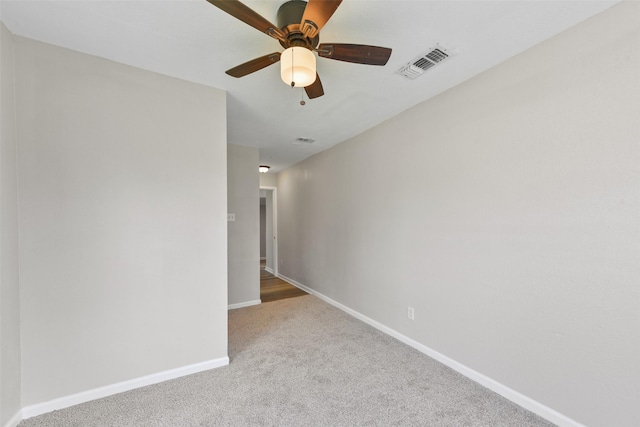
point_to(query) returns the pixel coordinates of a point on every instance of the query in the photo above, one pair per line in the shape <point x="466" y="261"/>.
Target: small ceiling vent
<point x="422" y="63"/>
<point x="303" y="141"/>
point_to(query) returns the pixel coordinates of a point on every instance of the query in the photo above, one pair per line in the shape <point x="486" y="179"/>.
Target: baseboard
<point x="269" y="270"/>
<point x="15" y="420"/>
<point x="98" y="393"/>
<point x="244" y="304"/>
<point x="506" y="392"/>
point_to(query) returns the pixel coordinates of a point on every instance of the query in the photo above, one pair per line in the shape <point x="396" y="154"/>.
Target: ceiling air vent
<point x="422" y="63"/>
<point x="303" y="141"/>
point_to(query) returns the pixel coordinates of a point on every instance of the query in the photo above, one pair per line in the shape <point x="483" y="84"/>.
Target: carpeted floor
<point x="302" y="362"/>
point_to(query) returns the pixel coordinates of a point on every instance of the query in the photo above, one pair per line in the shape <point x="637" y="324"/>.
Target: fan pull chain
<point x="302" y="100"/>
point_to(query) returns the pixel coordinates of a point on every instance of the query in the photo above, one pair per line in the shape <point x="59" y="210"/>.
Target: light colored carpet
<point x="302" y="362"/>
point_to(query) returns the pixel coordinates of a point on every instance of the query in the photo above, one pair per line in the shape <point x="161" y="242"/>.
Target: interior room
<point x="457" y="186"/>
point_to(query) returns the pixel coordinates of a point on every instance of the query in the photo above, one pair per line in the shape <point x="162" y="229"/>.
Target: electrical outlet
<point x="410" y="313"/>
<point x="231" y="217"/>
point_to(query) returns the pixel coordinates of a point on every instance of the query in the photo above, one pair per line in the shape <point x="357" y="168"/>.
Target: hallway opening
<point x="273" y="288"/>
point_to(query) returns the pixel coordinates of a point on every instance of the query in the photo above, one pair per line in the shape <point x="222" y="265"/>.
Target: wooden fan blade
<point x="254" y="65"/>
<point x="248" y="16"/>
<point x="314" y="90"/>
<point x="316" y="14"/>
<point x="356" y="53"/>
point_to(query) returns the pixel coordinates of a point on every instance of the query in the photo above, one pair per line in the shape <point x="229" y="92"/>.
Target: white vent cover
<point x="303" y="140"/>
<point x="422" y="63"/>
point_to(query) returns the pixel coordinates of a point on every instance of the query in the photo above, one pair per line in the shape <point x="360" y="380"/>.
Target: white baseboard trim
<point x="98" y="393"/>
<point x="493" y="385"/>
<point x="15" y="420"/>
<point x="268" y="270"/>
<point x="244" y="304"/>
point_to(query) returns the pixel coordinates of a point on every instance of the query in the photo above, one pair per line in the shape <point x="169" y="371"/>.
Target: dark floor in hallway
<point x="273" y="288"/>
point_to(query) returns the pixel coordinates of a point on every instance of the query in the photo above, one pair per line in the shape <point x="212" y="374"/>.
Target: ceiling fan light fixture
<point x="264" y="168"/>
<point x="298" y="66"/>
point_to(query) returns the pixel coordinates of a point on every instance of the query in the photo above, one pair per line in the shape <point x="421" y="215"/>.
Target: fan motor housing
<point x="288" y="19"/>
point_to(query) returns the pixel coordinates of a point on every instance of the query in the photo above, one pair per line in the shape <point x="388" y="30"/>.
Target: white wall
<point x="268" y="180"/>
<point x="506" y="212"/>
<point x="9" y="290"/>
<point x="122" y="196"/>
<point x="244" y="233"/>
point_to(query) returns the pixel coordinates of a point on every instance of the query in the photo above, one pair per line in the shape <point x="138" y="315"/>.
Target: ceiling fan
<point x="298" y="31"/>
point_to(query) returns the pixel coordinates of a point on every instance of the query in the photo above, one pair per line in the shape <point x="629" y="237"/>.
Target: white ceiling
<point x="193" y="40"/>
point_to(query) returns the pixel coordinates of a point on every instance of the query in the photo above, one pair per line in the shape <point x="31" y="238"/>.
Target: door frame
<point x="274" y="226"/>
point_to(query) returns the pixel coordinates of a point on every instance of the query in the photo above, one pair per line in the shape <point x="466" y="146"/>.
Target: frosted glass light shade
<point x="264" y="168"/>
<point x="298" y="65"/>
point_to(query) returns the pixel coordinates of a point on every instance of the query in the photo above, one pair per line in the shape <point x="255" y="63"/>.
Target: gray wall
<point x="9" y="290"/>
<point x="244" y="233"/>
<point x="506" y="211"/>
<point x="122" y="196"/>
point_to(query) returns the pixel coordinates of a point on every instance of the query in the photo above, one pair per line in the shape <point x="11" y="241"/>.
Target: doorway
<point x="269" y="233"/>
